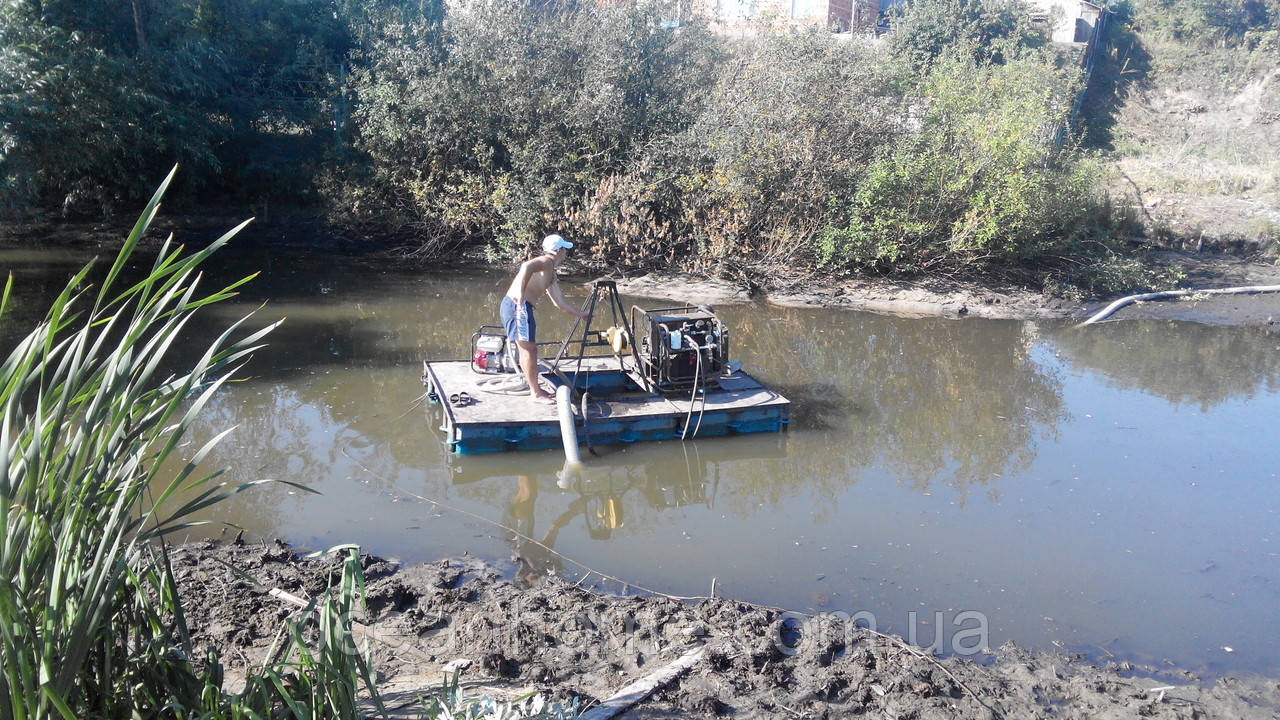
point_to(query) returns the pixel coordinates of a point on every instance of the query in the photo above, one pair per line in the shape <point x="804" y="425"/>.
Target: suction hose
<point x="567" y="432"/>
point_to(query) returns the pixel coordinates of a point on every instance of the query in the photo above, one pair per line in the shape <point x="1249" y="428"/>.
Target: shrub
<point x="1228" y="22"/>
<point x="983" y="181"/>
<point x="790" y="122"/>
<point x="994" y="31"/>
<point x="243" y="94"/>
<point x="485" y="126"/>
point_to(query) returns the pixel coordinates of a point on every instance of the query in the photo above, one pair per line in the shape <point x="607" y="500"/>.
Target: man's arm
<point x="553" y="290"/>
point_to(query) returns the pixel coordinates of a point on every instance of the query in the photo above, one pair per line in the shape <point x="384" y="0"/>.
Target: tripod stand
<point x="606" y="292"/>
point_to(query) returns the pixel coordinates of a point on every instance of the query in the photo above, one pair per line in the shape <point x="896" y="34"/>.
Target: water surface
<point x="1110" y="490"/>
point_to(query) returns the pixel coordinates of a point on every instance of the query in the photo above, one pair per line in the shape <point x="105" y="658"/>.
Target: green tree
<point x="982" y="181"/>
<point x="487" y="126"/>
<point x="986" y="30"/>
<point x="96" y="98"/>
<point x="1206" y="21"/>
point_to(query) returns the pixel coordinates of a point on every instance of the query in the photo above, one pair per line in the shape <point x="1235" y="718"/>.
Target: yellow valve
<point x="617" y="338"/>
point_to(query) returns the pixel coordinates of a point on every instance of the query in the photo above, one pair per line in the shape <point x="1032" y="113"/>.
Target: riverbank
<point x="944" y="297"/>
<point x="746" y="661"/>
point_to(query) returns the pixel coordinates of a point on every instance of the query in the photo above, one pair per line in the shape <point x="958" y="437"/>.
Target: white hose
<point x="697" y="375"/>
<point x="1144" y="297"/>
<point x="567" y="432"/>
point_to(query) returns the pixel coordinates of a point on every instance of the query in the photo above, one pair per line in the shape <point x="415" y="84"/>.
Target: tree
<point x="995" y="31"/>
<point x="238" y="91"/>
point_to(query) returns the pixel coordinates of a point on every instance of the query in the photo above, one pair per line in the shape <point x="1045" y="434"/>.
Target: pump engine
<point x="680" y="347"/>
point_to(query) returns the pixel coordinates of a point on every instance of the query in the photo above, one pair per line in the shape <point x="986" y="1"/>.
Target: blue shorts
<point x="518" y="320"/>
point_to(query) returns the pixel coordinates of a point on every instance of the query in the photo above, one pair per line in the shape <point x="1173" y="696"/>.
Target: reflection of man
<point x="535" y="277"/>
<point x="535" y="557"/>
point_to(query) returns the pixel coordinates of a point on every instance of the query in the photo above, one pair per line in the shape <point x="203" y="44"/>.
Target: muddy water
<point x="1109" y="491"/>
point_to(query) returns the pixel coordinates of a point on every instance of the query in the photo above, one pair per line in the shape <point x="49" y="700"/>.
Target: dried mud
<point x="565" y="641"/>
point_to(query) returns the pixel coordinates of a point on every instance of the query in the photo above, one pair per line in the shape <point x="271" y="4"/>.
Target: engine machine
<point x="680" y="347"/>
<point x="489" y="351"/>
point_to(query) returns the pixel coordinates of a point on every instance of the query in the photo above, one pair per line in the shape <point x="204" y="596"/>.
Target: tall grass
<point x="91" y="624"/>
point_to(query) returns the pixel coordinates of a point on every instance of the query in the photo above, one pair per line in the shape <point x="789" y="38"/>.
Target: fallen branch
<point x="1110" y="309"/>
<point x="644" y="687"/>
<point x="931" y="659"/>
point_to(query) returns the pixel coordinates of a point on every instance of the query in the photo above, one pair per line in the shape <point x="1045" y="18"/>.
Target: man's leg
<point x="529" y="362"/>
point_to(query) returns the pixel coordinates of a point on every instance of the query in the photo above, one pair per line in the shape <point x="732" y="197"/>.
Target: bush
<point x="983" y="181"/>
<point x="1228" y="22"/>
<point x="791" y="122"/>
<point x="746" y="158"/>
<point x="987" y="31"/>
<point x="484" y="126"/>
<point x="243" y="94"/>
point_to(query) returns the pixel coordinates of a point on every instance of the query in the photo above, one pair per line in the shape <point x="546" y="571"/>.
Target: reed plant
<point x="91" y="623"/>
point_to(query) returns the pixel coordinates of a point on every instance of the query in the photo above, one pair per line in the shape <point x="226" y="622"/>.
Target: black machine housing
<point x="680" y="347"/>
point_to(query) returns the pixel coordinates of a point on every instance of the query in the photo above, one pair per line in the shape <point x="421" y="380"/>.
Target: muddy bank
<point x="754" y="662"/>
<point x="944" y="297"/>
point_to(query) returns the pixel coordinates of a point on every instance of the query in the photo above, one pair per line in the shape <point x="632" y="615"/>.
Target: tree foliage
<point x="483" y="126"/>
<point x="986" y="30"/>
<point x="1228" y="22"/>
<point x="983" y="180"/>
<point x="500" y="120"/>
<point x="241" y="92"/>
<point x="738" y="157"/>
<point x="790" y="124"/>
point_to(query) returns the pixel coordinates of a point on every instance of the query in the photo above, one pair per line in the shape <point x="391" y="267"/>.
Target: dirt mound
<point x="1195" y="141"/>
<point x="754" y="662"/>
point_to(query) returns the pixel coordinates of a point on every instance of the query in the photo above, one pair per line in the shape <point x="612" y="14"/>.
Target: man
<point x="535" y="277"/>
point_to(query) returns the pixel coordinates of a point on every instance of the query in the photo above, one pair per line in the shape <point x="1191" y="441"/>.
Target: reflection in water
<point x="1040" y="475"/>
<point x="600" y="496"/>
<point x="1184" y="363"/>
<point x="932" y="400"/>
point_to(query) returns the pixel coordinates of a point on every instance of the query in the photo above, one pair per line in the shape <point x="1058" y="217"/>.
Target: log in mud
<point x="754" y="662"/>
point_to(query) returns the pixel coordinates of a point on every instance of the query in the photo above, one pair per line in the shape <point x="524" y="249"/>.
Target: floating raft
<point x="617" y="410"/>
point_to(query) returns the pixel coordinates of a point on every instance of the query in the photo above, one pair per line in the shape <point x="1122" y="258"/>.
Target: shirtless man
<point x="535" y="277"/>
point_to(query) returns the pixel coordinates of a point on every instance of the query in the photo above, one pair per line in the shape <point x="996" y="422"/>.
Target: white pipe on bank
<point x="567" y="432"/>
<point x="1144" y="297"/>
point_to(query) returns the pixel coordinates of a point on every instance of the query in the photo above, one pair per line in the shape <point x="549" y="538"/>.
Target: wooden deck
<point x="616" y="411"/>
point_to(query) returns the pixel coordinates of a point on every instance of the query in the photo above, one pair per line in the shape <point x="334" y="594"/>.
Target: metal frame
<point x="608" y="290"/>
